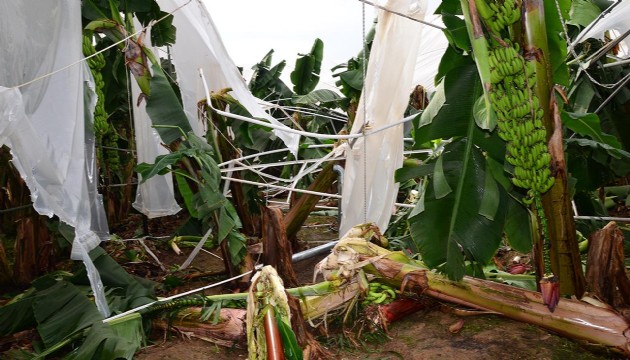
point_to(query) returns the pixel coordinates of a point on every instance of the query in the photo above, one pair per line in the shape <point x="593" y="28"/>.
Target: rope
<point x="403" y="15"/>
<point x="112" y="318"/>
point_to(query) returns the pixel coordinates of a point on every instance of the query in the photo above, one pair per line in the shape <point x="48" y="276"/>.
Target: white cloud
<point x="250" y="29"/>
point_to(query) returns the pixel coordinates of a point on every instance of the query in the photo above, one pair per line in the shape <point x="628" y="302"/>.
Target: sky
<point x="251" y="28"/>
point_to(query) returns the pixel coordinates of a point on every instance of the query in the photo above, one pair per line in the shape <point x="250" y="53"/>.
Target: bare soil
<point x="424" y="335"/>
<point x="427" y="334"/>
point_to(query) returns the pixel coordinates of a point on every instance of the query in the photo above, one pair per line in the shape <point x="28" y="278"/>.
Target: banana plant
<point x="465" y="196"/>
<point x="471" y="118"/>
<point x="198" y="177"/>
<point x="163" y="106"/>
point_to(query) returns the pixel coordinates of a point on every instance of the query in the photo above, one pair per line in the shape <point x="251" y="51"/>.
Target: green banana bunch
<point x="504" y="62"/>
<point x="96" y="64"/>
<point x="498" y="14"/>
<point x="102" y="130"/>
<point x="518" y="111"/>
<point x="379" y="294"/>
<point x="519" y="118"/>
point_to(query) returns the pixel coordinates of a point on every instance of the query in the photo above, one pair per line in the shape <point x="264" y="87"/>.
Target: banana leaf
<point x="589" y="125"/>
<point x="455" y="223"/>
<point x="164" y="109"/>
<point x="323" y="97"/>
<point x="58" y="312"/>
<point x="307" y="68"/>
<point x="462" y="201"/>
<point x="102" y="342"/>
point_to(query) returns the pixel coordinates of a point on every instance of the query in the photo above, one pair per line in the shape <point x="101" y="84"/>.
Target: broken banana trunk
<point x="574" y="319"/>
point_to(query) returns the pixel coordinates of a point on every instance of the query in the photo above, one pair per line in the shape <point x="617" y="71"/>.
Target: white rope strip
<point x="403" y="15"/>
<point x="260" y="173"/>
<point x="282" y="187"/>
<point x="334" y="196"/>
<point x="268" y="165"/>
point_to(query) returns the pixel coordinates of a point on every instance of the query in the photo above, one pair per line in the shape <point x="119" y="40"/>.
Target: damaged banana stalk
<point x="519" y="114"/>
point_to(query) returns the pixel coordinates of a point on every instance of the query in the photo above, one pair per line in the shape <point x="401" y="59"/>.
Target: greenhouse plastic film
<point x="43" y="123"/>
<point x="433" y="44"/>
<point x="199" y="46"/>
<point x="155" y="197"/>
<point x="618" y="19"/>
<point x="369" y="189"/>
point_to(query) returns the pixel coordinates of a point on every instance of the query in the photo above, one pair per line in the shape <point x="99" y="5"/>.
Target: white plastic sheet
<point x="369" y="190"/>
<point x="44" y="123"/>
<point x="154" y="197"/>
<point x="199" y="46"/>
<point x="618" y="19"/>
<point x="432" y="44"/>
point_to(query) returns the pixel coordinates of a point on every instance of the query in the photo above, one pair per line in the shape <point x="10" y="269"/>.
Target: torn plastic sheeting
<point x="617" y="19"/>
<point x="369" y="190"/>
<point x="44" y="123"/>
<point x="432" y="44"/>
<point x="199" y="46"/>
<point x="156" y="196"/>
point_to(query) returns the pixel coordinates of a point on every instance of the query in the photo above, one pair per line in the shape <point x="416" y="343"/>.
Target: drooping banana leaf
<point x="265" y="82"/>
<point x="58" y="312"/>
<point x="323" y="97"/>
<point x="164" y="109"/>
<point x="583" y="13"/>
<point x="454" y="225"/>
<point x="461" y="213"/>
<point x="105" y="342"/>
<point x="307" y="68"/>
<point x="589" y="125"/>
<point x="60" y="308"/>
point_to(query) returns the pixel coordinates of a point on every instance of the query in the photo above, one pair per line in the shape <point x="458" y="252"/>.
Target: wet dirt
<point x="424" y="335"/>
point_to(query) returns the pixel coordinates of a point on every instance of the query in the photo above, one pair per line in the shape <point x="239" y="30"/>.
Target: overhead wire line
<point x="403" y="15"/>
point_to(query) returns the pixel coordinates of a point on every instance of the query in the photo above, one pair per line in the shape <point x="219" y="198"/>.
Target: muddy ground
<point x="427" y="334"/>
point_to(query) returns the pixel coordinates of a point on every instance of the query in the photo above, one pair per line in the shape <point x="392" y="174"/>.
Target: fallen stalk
<point x="315" y="300"/>
<point x="572" y="318"/>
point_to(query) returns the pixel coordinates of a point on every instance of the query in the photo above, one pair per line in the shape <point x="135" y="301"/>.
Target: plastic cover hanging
<point x="45" y="123"/>
<point x="433" y="44"/>
<point x="154" y="197"/>
<point x="369" y="189"/>
<point x="618" y="19"/>
<point x="199" y="46"/>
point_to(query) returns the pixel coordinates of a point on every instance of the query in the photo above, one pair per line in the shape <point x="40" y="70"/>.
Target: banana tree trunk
<point x="572" y="318"/>
<point x="564" y="252"/>
<point x="306" y="203"/>
<point x="250" y="218"/>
